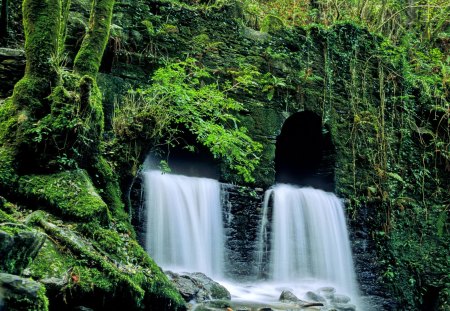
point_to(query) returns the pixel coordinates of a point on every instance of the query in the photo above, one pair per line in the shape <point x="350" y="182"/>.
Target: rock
<point x="340" y="299"/>
<point x="265" y="309"/>
<point x="54" y="284"/>
<point x="187" y="288"/>
<point x="344" y="307"/>
<point x="288" y="296"/>
<point x="197" y="286"/>
<point x="327" y="292"/>
<point x="18" y="247"/>
<point x="315" y="297"/>
<point x="217" y="290"/>
<point x="12" y="68"/>
<point x="22" y="294"/>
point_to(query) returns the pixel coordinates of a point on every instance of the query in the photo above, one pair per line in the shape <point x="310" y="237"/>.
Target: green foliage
<point x="184" y="96"/>
<point x="8" y="174"/>
<point x="71" y="193"/>
<point x="271" y="24"/>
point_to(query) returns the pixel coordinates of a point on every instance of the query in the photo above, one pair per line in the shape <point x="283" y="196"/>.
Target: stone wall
<point x="242" y="213"/>
<point x="12" y="67"/>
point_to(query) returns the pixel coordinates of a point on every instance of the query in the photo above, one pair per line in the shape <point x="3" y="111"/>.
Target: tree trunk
<point x="41" y="21"/>
<point x="88" y="59"/>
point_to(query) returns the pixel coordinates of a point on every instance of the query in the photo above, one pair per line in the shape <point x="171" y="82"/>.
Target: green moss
<point x="5" y="217"/>
<point x="19" y="246"/>
<point x="138" y="266"/>
<point x="41" y="26"/>
<point x="71" y="193"/>
<point x="87" y="61"/>
<point x="8" y="120"/>
<point x="8" y="175"/>
<point x="50" y="262"/>
<point x="105" y="179"/>
<point x="272" y="24"/>
<point x="91" y="111"/>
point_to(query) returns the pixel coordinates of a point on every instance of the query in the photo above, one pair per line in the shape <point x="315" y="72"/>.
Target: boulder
<point x="22" y="294"/>
<point x="18" y="247"/>
<point x="327" y="292"/>
<point x="344" y="307"/>
<point x="315" y="297"/>
<point x="12" y="68"/>
<point x="197" y="286"/>
<point x="340" y="299"/>
<point x="288" y="296"/>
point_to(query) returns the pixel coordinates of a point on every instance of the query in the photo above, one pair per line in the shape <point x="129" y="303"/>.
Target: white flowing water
<point x="309" y="239"/>
<point x="184" y="223"/>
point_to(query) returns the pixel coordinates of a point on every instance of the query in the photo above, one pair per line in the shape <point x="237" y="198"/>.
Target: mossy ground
<point x="70" y="193"/>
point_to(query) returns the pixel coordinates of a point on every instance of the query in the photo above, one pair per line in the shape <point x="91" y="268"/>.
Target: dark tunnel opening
<point x="305" y="153"/>
<point x="191" y="158"/>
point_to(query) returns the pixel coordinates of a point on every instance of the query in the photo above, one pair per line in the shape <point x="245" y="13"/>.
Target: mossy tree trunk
<point x="58" y="117"/>
<point x="53" y="123"/>
<point x="88" y="59"/>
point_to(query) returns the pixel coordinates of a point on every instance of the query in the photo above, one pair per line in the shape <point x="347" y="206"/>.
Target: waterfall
<point x="184" y="222"/>
<point x="309" y="238"/>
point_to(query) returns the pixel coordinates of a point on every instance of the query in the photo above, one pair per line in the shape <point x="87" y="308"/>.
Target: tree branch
<point x="88" y="59"/>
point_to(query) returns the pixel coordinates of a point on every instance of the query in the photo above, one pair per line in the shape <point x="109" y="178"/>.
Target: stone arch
<point x="197" y="161"/>
<point x="305" y="154"/>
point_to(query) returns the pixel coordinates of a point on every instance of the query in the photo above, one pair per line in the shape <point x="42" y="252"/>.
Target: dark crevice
<point x="305" y="154"/>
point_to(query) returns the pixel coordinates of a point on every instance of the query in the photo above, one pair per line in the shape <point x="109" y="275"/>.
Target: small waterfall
<point x="184" y="223"/>
<point x="309" y="238"/>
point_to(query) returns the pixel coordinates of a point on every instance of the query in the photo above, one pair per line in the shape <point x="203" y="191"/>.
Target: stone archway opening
<point x="191" y="158"/>
<point x="305" y="154"/>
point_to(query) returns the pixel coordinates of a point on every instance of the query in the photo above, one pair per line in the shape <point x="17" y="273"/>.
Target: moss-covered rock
<point x="18" y="247"/>
<point x="70" y="194"/>
<point x="99" y="268"/>
<point x="272" y="24"/>
<point x="22" y="294"/>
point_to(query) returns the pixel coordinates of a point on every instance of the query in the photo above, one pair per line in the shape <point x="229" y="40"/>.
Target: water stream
<point x="308" y="239"/>
<point x="184" y="223"/>
<point x="303" y="237"/>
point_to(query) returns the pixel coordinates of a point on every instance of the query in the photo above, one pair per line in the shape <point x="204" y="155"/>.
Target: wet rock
<point x="327" y="292"/>
<point x="18" y="247"/>
<point x="187" y="288"/>
<point x="344" y="307"/>
<point x="22" y="294"/>
<point x="265" y="309"/>
<point x="213" y="305"/>
<point x="315" y="297"/>
<point x="54" y="284"/>
<point x="340" y="299"/>
<point x="197" y="286"/>
<point x="288" y="296"/>
<point x="217" y="291"/>
<point x="12" y="68"/>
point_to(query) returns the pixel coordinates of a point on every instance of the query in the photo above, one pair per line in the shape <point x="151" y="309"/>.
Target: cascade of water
<point x="309" y="238"/>
<point x="184" y="223"/>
